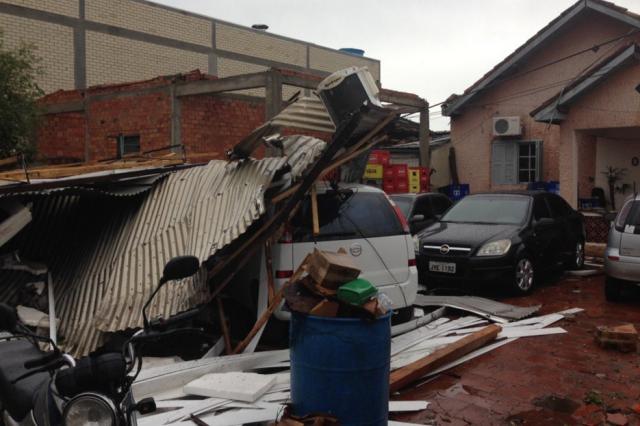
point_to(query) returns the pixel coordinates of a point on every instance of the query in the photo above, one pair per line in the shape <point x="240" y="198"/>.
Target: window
<point x="404" y="203"/>
<point x="347" y="215"/>
<point x="440" y="204"/>
<point x="423" y="207"/>
<point x="128" y="145"/>
<point x="624" y="213"/>
<point x="559" y="207"/>
<point x="540" y="209"/>
<point x="527" y="162"/>
<point x="489" y="209"/>
<point x="514" y="162"/>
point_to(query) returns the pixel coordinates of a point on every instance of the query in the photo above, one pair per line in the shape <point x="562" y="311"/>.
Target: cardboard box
<point x="331" y="270"/>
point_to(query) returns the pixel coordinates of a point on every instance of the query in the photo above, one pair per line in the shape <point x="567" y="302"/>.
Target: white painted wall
<point x="617" y="153"/>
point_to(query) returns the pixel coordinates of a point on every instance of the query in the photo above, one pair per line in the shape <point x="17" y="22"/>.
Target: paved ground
<point x="561" y="379"/>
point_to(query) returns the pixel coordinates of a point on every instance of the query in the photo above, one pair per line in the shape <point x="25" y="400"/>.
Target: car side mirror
<point x="180" y="267"/>
<point x="544" y="222"/>
<point x="417" y="218"/>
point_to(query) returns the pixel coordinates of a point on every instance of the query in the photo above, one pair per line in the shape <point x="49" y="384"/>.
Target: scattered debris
<point x="237" y="386"/>
<point x="440" y="357"/>
<point x="617" y="419"/>
<point x="593" y="397"/>
<point x="623" y="338"/>
<point x="403" y="406"/>
<point x="490" y="309"/>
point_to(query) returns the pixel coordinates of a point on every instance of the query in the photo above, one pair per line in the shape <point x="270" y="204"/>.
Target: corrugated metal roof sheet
<point x="307" y="112"/>
<point x="107" y="255"/>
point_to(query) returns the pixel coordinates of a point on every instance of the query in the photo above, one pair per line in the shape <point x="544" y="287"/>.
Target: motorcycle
<point x="52" y="388"/>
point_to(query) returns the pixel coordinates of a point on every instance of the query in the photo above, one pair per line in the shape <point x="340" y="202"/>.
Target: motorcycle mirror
<point x="8" y="317"/>
<point x="180" y="267"/>
<point x="177" y="268"/>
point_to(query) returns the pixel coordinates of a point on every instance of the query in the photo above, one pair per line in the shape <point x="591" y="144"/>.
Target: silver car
<point x="622" y="256"/>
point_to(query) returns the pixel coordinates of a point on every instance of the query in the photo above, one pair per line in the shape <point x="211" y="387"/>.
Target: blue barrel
<point x="340" y="366"/>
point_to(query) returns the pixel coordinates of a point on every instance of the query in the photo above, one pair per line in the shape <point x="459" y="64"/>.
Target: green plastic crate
<point x="356" y="292"/>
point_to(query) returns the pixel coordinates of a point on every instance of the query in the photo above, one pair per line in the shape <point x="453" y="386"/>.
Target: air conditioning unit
<point x="507" y="126"/>
<point x="346" y="90"/>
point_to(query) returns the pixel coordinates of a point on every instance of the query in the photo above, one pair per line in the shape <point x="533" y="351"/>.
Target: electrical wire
<point x="593" y="48"/>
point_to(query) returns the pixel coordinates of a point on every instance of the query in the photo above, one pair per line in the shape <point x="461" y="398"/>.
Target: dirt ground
<point x="563" y="379"/>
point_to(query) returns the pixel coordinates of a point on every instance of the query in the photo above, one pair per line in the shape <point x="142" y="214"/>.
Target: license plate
<point x="444" y="267"/>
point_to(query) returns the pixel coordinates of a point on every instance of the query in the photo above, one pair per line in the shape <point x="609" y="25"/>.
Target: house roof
<point x="455" y="103"/>
<point x="554" y="109"/>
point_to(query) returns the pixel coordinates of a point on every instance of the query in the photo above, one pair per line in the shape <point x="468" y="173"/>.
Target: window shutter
<point x="504" y="163"/>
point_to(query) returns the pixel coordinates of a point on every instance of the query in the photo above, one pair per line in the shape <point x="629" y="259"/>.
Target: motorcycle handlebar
<point x="45" y="359"/>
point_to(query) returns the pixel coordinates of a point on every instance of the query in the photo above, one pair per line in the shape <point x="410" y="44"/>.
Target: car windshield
<point x="492" y="210"/>
<point x="404" y="204"/>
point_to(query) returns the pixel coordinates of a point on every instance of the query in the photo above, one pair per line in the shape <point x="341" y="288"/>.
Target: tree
<point x="613" y="175"/>
<point x="19" y="92"/>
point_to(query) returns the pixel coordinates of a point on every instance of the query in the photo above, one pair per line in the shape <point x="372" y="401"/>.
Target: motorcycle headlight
<point x="90" y="409"/>
<point x="495" y="248"/>
<point x="416" y="243"/>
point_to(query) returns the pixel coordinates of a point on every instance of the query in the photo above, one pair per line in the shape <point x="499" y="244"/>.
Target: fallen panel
<point x="238" y="386"/>
<point x="490" y="309"/>
<point x="405" y="406"/>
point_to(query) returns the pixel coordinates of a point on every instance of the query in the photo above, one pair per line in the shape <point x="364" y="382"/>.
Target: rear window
<point x="629" y="215"/>
<point x="347" y="215"/>
<point x="440" y="204"/>
<point x="404" y="204"/>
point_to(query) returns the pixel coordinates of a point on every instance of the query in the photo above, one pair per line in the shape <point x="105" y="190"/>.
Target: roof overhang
<point x="454" y="107"/>
<point x="555" y="109"/>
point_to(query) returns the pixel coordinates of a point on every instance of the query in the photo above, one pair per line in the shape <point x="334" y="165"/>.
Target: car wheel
<point x="524" y="276"/>
<point x="577" y="257"/>
<point x="613" y="289"/>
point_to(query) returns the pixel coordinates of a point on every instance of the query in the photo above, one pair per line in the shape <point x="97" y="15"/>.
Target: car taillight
<point x="287" y="236"/>
<point x="614" y="258"/>
<point x="284" y="274"/>
<point x="412" y="262"/>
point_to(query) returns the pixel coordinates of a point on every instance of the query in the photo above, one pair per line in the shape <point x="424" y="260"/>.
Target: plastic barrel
<point x="340" y="366"/>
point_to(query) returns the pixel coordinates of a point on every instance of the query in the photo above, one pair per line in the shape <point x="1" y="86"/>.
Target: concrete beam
<point x="228" y="84"/>
<point x="65" y="107"/>
<point x="425" y="150"/>
<point x="273" y="98"/>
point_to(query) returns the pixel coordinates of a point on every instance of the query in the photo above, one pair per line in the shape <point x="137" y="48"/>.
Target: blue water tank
<point x="353" y="51"/>
<point x="341" y="366"/>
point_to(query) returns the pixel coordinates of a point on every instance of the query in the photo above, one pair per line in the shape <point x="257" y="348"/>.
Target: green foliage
<point x="19" y="115"/>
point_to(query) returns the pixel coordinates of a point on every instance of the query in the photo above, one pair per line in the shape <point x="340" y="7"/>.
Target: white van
<point x="369" y="226"/>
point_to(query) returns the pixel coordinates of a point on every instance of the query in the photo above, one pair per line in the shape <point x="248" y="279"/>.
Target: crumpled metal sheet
<point x="487" y="308"/>
<point x="107" y="255"/>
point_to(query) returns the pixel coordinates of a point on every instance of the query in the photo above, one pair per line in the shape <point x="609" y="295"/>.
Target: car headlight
<point x="495" y="248"/>
<point x="416" y="243"/>
<point x="90" y="409"/>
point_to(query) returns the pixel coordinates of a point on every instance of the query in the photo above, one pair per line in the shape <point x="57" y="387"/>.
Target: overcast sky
<point x="429" y="47"/>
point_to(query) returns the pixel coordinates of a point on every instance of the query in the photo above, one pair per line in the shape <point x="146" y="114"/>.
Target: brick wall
<point x="209" y="124"/>
<point x="53" y="45"/>
<point x="61" y="137"/>
<point x="216" y="123"/>
<point x="150" y="19"/>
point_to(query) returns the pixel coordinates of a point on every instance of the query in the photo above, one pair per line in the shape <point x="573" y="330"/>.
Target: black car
<point x="421" y="210"/>
<point x="505" y="237"/>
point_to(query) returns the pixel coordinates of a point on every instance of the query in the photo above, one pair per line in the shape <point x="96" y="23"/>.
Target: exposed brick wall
<point x="61" y="137"/>
<point x="216" y="123"/>
<point x="146" y="115"/>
